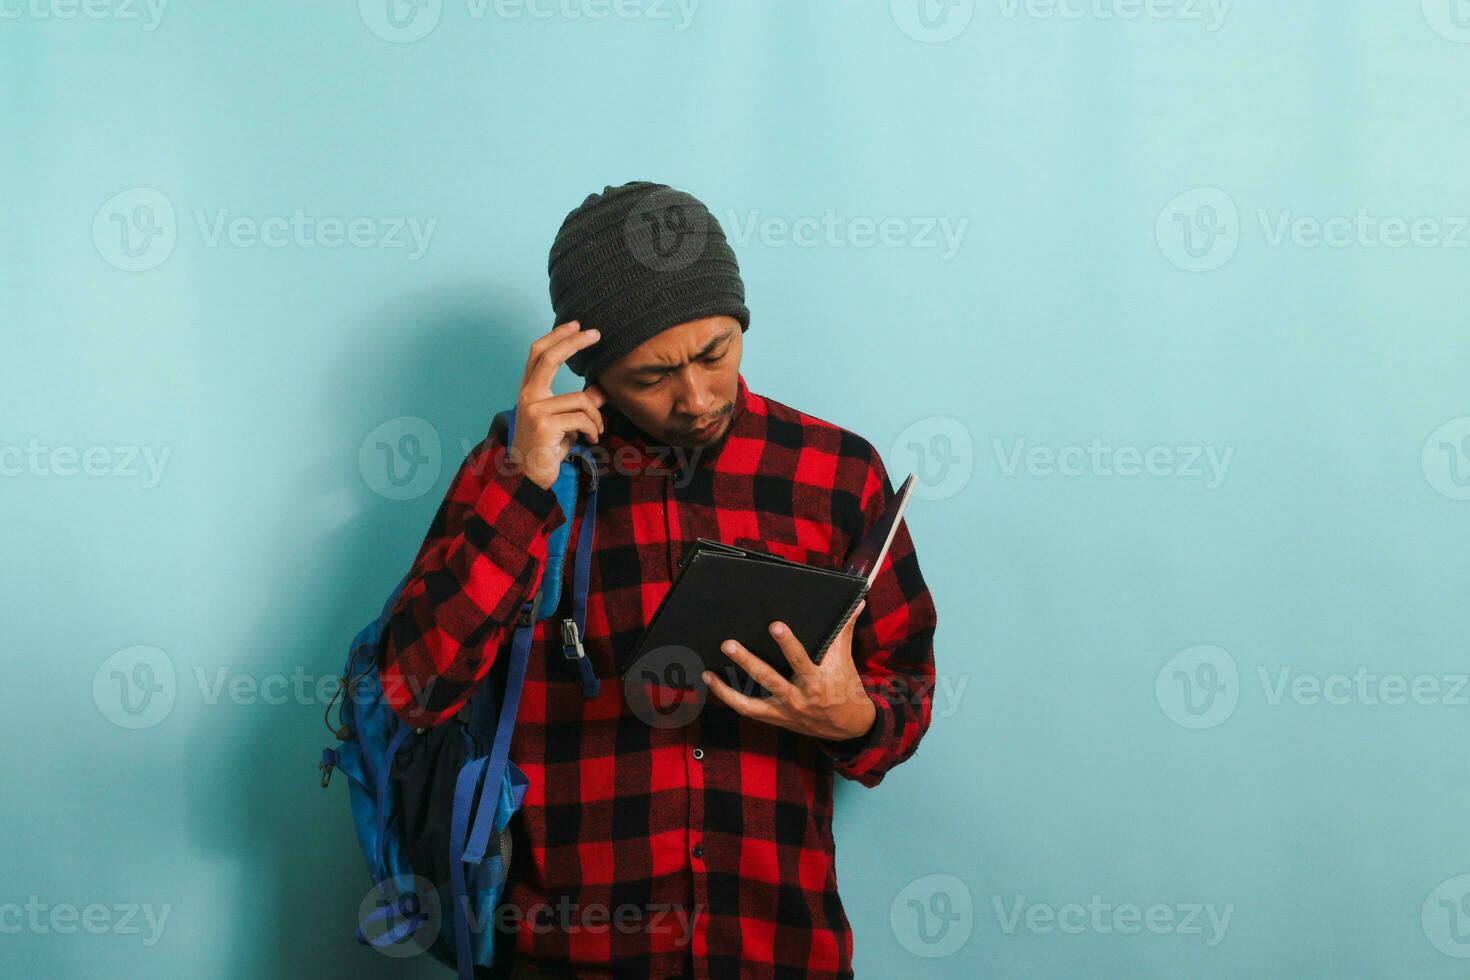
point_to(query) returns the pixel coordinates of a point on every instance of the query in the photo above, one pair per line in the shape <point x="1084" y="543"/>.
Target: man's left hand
<point x="825" y="700"/>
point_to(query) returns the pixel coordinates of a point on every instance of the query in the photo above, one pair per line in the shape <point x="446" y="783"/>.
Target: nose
<point x="695" y="401"/>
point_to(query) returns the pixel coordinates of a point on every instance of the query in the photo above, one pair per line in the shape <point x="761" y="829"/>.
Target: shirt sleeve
<point x="482" y="558"/>
<point x="892" y="648"/>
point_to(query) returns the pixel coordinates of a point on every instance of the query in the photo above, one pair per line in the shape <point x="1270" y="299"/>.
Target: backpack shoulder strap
<point x="558" y="548"/>
<point x="565" y="488"/>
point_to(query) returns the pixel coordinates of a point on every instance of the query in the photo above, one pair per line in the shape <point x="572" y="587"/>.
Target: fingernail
<point x="777" y="629"/>
<point x="594" y="332"/>
<point x="728" y="646"/>
<point x="705" y="676"/>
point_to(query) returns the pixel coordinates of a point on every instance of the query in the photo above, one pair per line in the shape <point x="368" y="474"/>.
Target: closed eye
<point x="708" y="359"/>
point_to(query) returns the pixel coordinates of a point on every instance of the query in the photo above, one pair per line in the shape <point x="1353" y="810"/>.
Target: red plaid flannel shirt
<point x="704" y="850"/>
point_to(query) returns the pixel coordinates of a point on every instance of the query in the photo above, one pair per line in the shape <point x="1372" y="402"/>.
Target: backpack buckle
<point x="571" y="640"/>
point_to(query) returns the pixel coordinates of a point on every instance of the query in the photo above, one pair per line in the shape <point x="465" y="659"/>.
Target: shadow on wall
<point x="452" y="358"/>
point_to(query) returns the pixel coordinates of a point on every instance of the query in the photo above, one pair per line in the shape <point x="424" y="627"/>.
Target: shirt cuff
<point x="848" y="750"/>
<point x="519" y="508"/>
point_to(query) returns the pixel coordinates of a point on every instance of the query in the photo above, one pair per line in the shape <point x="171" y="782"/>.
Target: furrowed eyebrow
<point x="669" y="369"/>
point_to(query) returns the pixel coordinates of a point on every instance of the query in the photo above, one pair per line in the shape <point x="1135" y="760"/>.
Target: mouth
<point x="708" y="429"/>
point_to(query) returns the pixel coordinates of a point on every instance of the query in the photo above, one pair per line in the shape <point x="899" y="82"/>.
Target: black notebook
<point x="722" y="592"/>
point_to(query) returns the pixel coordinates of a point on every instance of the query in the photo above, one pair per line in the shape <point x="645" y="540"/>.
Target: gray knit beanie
<point x="636" y="260"/>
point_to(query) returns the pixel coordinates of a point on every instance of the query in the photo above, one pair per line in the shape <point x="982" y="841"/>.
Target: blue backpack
<point x="428" y="802"/>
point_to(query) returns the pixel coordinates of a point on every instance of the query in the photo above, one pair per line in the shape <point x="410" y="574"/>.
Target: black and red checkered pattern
<point x="704" y="850"/>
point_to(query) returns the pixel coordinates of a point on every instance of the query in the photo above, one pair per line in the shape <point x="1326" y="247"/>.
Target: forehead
<point x="677" y="344"/>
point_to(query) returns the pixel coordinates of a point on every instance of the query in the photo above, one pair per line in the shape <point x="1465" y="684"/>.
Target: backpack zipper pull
<point x="571" y="640"/>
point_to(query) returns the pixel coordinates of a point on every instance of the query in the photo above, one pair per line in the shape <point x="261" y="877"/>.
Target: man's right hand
<point x="547" y="425"/>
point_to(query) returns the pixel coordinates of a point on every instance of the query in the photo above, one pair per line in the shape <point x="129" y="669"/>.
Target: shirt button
<point x="698" y="851"/>
<point x="699" y="753"/>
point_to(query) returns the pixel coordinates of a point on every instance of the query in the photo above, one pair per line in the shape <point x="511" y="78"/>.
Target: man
<point x="703" y="850"/>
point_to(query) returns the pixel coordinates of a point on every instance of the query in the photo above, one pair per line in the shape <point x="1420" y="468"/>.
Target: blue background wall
<point x="1182" y="459"/>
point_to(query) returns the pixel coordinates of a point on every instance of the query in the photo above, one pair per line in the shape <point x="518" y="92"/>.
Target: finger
<point x="544" y="341"/>
<point x="543" y="368"/>
<point x="578" y="421"/>
<point x="573" y="401"/>
<point x="761" y="672"/>
<point x="554" y="356"/>
<point x="757" y="708"/>
<point x="851" y="624"/>
<point x="796" y="654"/>
<point x="564" y="427"/>
<point x="843" y="643"/>
<point x="595" y="392"/>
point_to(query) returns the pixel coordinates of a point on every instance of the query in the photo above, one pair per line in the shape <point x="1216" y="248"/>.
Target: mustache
<point x="723" y="412"/>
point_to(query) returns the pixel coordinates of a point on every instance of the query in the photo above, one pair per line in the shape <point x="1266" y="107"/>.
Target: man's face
<point x="678" y="380"/>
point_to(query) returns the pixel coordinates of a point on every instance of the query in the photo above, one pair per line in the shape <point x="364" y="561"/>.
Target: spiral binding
<point x="822" y="650"/>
